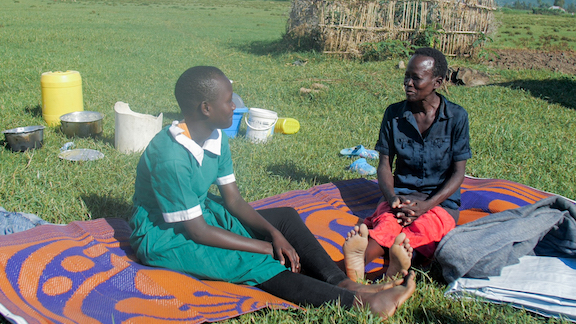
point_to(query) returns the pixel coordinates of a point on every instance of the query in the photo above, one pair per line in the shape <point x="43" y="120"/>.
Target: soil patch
<point x="562" y="61"/>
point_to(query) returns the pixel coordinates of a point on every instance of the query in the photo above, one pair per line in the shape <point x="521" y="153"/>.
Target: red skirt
<point x="424" y="233"/>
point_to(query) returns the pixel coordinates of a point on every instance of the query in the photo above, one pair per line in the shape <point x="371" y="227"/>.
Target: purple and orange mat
<point x="86" y="272"/>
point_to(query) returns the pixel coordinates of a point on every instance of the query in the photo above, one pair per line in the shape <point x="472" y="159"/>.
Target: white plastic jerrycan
<point x="133" y="130"/>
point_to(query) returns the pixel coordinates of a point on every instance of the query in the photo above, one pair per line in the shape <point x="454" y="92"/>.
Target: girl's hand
<point x="284" y="249"/>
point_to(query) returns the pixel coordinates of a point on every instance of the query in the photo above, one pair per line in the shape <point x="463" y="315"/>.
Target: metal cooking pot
<point x="23" y="138"/>
<point x="81" y="123"/>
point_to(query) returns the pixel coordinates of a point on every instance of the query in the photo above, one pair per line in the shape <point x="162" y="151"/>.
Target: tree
<point x="542" y="4"/>
<point x="559" y="3"/>
<point x="571" y="8"/>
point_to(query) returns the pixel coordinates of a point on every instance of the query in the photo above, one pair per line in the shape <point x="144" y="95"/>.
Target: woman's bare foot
<point x="354" y="249"/>
<point x="386" y="302"/>
<point x="400" y="256"/>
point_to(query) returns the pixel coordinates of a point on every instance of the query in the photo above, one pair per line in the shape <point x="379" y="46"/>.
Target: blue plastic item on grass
<point x="361" y="151"/>
<point x="232" y="131"/>
<point x="362" y="167"/>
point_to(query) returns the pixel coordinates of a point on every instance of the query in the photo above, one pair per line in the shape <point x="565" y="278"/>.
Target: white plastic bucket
<point x="260" y="124"/>
<point x="133" y="130"/>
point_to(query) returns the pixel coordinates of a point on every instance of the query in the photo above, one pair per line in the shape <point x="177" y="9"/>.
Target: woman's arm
<point x="450" y="185"/>
<point x="386" y="184"/>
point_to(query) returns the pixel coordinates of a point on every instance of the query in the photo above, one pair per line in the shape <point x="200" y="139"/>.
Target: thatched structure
<point x="342" y="25"/>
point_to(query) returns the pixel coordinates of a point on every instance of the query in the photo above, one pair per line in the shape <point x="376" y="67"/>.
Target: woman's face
<point x="419" y="79"/>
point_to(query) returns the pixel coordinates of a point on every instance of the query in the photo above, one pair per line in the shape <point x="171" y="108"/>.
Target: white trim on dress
<point x="182" y="215"/>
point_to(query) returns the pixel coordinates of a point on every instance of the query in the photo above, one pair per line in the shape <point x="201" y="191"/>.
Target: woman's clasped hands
<point x="407" y="210"/>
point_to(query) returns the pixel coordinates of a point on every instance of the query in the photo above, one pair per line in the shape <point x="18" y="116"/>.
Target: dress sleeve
<point x="172" y="184"/>
<point x="225" y="167"/>
<point x="461" y="147"/>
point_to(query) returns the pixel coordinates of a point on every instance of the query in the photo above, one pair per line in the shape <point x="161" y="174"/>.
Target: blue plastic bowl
<point x="232" y="131"/>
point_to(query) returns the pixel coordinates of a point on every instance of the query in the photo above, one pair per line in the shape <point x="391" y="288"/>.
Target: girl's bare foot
<point x="354" y="249"/>
<point x="386" y="302"/>
<point x="373" y="288"/>
<point x="400" y="256"/>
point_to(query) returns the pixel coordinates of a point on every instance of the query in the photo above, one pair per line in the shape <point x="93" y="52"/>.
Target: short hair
<point x="440" y="63"/>
<point x="197" y="84"/>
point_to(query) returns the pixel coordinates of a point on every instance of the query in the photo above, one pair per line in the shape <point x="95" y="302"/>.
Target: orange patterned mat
<point x="85" y="272"/>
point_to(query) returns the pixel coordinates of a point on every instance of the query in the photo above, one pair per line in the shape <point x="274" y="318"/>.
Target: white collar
<point x="212" y="144"/>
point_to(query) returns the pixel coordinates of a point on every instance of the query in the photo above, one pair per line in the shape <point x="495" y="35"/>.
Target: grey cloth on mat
<point x="13" y="222"/>
<point x="483" y="247"/>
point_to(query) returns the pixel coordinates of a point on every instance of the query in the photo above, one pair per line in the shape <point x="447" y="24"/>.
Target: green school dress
<point x="172" y="187"/>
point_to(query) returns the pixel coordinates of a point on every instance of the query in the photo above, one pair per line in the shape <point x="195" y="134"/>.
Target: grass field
<point x="522" y="29"/>
<point x="522" y="126"/>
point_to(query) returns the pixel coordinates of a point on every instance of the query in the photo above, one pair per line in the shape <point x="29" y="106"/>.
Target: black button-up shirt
<point x="425" y="161"/>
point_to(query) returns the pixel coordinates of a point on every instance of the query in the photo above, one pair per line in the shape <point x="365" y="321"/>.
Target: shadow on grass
<point x="295" y="173"/>
<point x="110" y="140"/>
<point x="289" y="43"/>
<point x="99" y="137"/>
<point x="105" y="207"/>
<point x="34" y="111"/>
<point x="441" y="314"/>
<point x="262" y="48"/>
<point x="560" y="91"/>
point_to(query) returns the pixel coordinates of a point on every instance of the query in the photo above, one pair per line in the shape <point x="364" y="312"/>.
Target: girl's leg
<point x="304" y="290"/>
<point x="314" y="260"/>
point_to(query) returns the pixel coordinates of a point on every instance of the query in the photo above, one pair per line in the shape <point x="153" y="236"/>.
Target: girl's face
<point x="222" y="109"/>
<point x="419" y="79"/>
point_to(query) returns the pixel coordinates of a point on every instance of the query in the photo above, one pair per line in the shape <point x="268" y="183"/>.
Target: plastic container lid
<point x="81" y="155"/>
<point x="237" y="100"/>
<point x="60" y="79"/>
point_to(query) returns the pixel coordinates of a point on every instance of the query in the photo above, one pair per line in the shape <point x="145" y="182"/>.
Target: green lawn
<point x="524" y="30"/>
<point x="522" y="126"/>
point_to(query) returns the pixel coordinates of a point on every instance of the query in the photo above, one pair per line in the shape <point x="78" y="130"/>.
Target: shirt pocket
<point x="406" y="150"/>
<point x="442" y="150"/>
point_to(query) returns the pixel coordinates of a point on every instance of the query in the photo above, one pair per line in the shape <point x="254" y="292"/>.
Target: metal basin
<point x="81" y="124"/>
<point x="21" y="139"/>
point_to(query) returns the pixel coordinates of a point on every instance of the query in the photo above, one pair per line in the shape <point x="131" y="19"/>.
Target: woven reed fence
<point x="344" y="25"/>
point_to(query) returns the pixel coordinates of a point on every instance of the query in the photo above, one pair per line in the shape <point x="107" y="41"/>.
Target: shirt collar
<point x="212" y="144"/>
<point x="443" y="114"/>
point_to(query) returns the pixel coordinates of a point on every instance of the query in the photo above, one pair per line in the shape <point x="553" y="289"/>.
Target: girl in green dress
<point x="179" y="225"/>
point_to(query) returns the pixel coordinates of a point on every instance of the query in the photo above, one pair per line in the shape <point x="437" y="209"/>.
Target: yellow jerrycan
<point x="61" y="94"/>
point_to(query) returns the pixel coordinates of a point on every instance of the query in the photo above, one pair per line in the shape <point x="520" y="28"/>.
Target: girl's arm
<point x="202" y="233"/>
<point x="239" y="208"/>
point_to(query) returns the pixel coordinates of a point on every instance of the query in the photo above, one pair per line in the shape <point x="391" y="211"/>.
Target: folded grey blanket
<point x="481" y="248"/>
